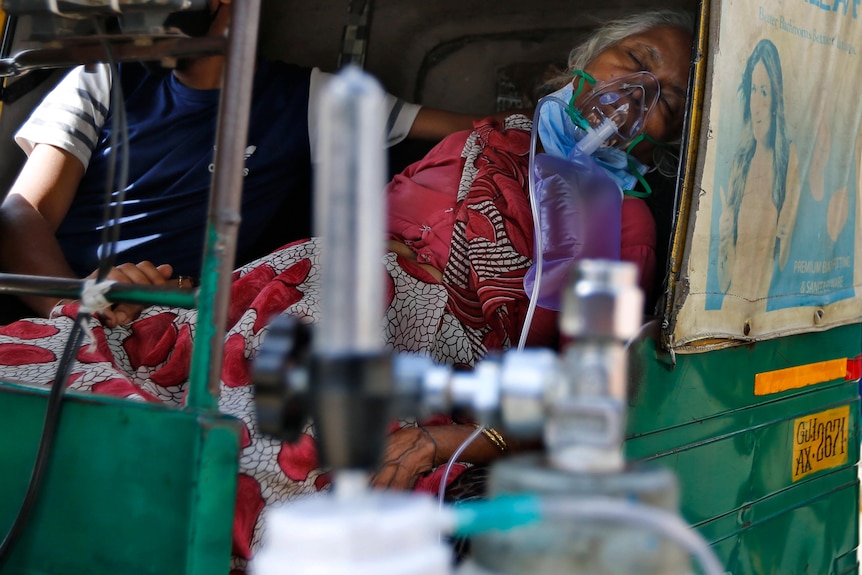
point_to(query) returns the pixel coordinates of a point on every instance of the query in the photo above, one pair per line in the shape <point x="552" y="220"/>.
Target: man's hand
<point x="143" y="273"/>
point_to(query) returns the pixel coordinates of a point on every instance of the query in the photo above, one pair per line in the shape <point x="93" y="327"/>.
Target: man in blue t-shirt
<point x="51" y="221"/>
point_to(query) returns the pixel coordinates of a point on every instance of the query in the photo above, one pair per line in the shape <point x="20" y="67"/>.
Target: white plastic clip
<point x="92" y="302"/>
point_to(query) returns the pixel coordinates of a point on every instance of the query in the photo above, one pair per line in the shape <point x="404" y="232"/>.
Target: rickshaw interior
<point x="694" y="413"/>
<point x="473" y="57"/>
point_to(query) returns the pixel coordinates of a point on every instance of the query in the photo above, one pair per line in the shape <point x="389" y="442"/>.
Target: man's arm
<point x="31" y="214"/>
<point x="58" y="139"/>
<point x="433" y="124"/>
<point x="29" y="217"/>
<point x="404" y="119"/>
<point x="34" y="209"/>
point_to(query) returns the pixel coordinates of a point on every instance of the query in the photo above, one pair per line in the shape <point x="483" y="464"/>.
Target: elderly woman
<point x="453" y="294"/>
<point x="462" y="215"/>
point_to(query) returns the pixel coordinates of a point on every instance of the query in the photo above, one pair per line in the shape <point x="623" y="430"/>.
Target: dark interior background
<point x="472" y="56"/>
<point x="446" y="53"/>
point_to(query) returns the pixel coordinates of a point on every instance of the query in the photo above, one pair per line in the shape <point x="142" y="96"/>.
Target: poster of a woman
<point x="771" y="245"/>
<point x="757" y="212"/>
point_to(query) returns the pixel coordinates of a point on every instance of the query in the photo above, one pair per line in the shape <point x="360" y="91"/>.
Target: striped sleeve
<point x="399" y="114"/>
<point x="71" y="115"/>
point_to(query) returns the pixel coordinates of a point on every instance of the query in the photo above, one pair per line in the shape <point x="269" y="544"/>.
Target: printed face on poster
<point x="773" y="243"/>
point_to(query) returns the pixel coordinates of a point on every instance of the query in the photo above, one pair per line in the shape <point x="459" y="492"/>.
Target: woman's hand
<point x="410" y="453"/>
<point x="143" y="273"/>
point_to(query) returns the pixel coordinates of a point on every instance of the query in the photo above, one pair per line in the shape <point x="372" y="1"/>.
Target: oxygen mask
<point x="578" y="180"/>
<point x="615" y="112"/>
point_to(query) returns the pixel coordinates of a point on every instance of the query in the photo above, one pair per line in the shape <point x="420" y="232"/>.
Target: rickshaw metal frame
<point x="688" y="167"/>
<point x="196" y="448"/>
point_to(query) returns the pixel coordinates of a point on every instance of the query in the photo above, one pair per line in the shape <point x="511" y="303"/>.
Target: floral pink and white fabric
<point x="478" y="305"/>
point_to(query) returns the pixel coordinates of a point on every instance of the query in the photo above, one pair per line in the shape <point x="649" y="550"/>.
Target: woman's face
<point x="665" y="52"/>
<point x="760" y="103"/>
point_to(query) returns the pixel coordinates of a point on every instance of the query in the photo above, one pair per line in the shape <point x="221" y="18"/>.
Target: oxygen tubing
<point x="441" y="494"/>
<point x="537" y="224"/>
<point x="591" y="140"/>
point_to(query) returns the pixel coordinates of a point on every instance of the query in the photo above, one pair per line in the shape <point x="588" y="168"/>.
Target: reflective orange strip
<point x="800" y="376"/>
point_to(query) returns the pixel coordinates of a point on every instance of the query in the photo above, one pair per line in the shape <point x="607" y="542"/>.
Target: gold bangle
<point x="494" y="437"/>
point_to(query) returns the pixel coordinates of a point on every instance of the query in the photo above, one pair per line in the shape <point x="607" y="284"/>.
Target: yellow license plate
<point x="820" y="441"/>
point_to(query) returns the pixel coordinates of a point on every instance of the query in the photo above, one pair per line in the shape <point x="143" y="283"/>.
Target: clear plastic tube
<point x="588" y="143"/>
<point x="534" y="206"/>
<point x="441" y="493"/>
<point x="598" y="136"/>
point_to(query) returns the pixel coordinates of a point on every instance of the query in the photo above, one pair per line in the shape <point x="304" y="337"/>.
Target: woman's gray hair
<point x="611" y="33"/>
<point x="614" y="32"/>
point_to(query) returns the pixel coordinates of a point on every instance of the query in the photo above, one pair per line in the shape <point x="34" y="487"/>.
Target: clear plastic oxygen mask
<point x="615" y="112"/>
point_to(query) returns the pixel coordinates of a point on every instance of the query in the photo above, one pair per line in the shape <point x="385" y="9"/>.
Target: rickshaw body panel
<point x="747" y="482"/>
<point x="131" y="487"/>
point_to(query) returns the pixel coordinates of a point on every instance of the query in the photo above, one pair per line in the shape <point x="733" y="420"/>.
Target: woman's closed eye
<point x="666" y="102"/>
<point x="637" y="62"/>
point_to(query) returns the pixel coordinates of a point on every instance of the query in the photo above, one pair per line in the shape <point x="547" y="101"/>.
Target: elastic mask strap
<point x="633" y="168"/>
<point x="575" y="114"/>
